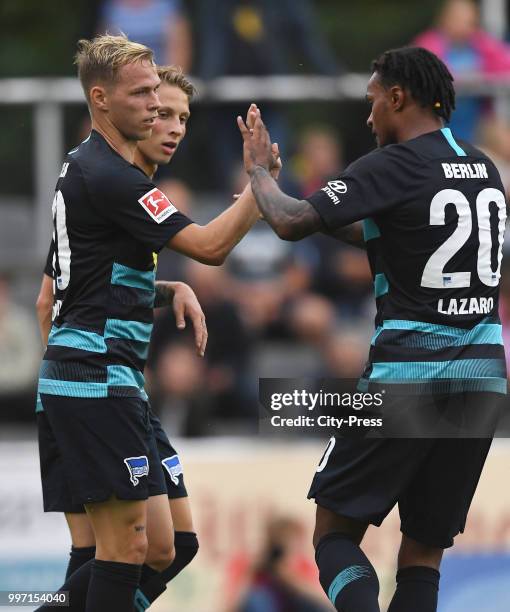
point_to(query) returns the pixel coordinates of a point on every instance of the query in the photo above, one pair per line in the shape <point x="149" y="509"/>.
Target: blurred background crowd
<point x="275" y="308"/>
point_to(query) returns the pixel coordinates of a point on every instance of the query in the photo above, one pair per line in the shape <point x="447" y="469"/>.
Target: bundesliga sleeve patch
<point x="157" y="205"/>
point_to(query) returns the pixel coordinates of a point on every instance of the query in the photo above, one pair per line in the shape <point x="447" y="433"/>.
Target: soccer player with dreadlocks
<point x="434" y="212"/>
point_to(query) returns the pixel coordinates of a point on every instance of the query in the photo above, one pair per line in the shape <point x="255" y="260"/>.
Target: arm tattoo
<point x="164" y="294"/>
<point x="291" y="219"/>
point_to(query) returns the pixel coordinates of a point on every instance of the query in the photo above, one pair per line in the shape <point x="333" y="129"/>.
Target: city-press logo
<point x="174" y="468"/>
<point x="157" y="205"/>
<point x="138" y="467"/>
<point x="333" y="188"/>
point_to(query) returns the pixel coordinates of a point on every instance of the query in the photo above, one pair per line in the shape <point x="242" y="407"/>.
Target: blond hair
<point x="100" y="59"/>
<point x="173" y="75"/>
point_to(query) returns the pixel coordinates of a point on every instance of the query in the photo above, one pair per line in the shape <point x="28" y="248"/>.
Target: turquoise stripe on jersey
<point x="68" y="388"/>
<point x="447" y="133"/>
<point x="72" y="389"/>
<point x="433" y="336"/>
<point x="122" y="376"/>
<point x="381" y="286"/>
<point x="422" y="371"/>
<point x="77" y="339"/>
<point x="346" y="576"/>
<point x="128" y="330"/>
<point x="370" y="230"/>
<point x="129" y="277"/>
<point x="460" y="385"/>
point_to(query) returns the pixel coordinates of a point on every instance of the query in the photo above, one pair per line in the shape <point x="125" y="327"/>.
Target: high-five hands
<point x="257" y="147"/>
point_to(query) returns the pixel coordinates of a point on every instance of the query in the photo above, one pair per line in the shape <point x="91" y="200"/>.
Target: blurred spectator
<point x="159" y="24"/>
<point x="258" y="38"/>
<point x="263" y="274"/>
<point x="218" y="388"/>
<point x="345" y="352"/>
<point x="179" y="380"/>
<point x="319" y="158"/>
<point x="334" y="269"/>
<point x="339" y="272"/>
<point x="495" y="142"/>
<point x="312" y="319"/>
<point x="20" y="357"/>
<point x="284" y="579"/>
<point x="458" y="40"/>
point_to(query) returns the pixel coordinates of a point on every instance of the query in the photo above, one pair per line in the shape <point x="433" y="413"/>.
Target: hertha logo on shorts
<point x="157" y="205"/>
<point x="138" y="467"/>
<point x="174" y="468"/>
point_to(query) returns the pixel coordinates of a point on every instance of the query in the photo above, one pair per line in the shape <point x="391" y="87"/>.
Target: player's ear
<point x="98" y="98"/>
<point x="397" y="95"/>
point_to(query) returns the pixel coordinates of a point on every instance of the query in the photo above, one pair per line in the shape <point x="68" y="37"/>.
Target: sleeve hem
<point x="330" y="224"/>
<point x="172" y="231"/>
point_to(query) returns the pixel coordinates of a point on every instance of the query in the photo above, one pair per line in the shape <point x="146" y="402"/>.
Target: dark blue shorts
<point x="432" y="481"/>
<point x="170" y="461"/>
<point x="91" y="449"/>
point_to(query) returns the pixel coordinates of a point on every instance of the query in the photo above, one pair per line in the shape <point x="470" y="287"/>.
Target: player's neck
<point x="418" y="126"/>
<point x="145" y="164"/>
<point x="125" y="148"/>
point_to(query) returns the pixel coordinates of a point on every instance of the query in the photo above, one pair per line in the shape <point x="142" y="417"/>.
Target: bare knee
<point x="160" y="555"/>
<point x="136" y="550"/>
<point x="414" y="553"/>
<point x="132" y="547"/>
<point x="327" y="521"/>
<point x="121" y="532"/>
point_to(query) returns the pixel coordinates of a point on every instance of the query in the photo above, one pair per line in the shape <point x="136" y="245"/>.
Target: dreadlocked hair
<point x="422" y="73"/>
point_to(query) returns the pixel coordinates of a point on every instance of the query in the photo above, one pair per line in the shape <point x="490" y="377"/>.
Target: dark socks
<point x="152" y="584"/>
<point x="346" y="575"/>
<point x="151" y="587"/>
<point x="417" y="589"/>
<point x="186" y="547"/>
<point x="112" y="586"/>
<point x="79" y="556"/>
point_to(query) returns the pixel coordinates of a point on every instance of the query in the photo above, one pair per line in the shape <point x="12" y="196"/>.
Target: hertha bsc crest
<point x="138" y="467"/>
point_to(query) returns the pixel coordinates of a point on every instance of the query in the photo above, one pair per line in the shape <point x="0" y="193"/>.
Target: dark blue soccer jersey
<point x="109" y="221"/>
<point x="434" y="216"/>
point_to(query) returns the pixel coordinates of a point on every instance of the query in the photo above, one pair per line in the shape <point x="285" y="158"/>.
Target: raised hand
<point x="257" y="150"/>
<point x="277" y="161"/>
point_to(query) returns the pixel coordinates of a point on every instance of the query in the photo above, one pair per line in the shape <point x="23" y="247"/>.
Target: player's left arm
<point x="184" y="302"/>
<point x="44" y="307"/>
<point x="290" y="218"/>
<point x="210" y="244"/>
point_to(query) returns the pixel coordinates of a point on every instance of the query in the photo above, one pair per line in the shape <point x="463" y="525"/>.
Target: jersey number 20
<point x="433" y="274"/>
